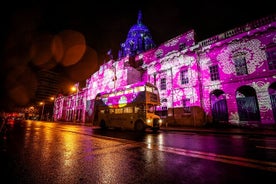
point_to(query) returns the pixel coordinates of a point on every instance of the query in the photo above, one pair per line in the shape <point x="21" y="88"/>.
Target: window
<point x="159" y="53"/>
<point x="128" y="110"/>
<point x="182" y="46"/>
<point x="271" y="58"/>
<point x="120" y="92"/>
<point x="214" y="72"/>
<point x="186" y="105"/>
<point x="164" y="111"/>
<point x="240" y="64"/>
<point x="139" y="88"/>
<point x="136" y="109"/>
<point x="184" y="76"/>
<point x="163" y="85"/>
<point x="164" y="100"/>
<point x="155" y="91"/>
<point x="119" y="111"/>
<point x="164" y="108"/>
<point x="150" y="108"/>
<point x="105" y="96"/>
<point x="77" y="102"/>
<point x="148" y="88"/>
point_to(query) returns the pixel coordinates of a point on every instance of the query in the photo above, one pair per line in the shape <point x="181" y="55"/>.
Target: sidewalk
<point x="225" y="130"/>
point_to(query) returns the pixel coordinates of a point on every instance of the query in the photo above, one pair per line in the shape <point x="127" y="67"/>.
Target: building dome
<point x="138" y="39"/>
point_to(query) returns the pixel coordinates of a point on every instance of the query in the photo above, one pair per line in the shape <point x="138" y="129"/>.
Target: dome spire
<point x="139" y="20"/>
<point x="138" y="39"/>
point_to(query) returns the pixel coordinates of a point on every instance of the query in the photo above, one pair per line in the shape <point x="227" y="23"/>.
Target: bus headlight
<point x="160" y="122"/>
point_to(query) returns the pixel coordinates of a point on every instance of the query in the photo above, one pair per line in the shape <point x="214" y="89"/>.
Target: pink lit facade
<point x="229" y="78"/>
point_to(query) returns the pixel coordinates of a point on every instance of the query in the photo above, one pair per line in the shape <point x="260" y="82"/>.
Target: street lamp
<point x="42" y="103"/>
<point x="53" y="103"/>
<point x="75" y="89"/>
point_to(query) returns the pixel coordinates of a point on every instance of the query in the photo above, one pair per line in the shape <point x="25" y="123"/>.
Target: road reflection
<point x="62" y="153"/>
<point x="208" y="147"/>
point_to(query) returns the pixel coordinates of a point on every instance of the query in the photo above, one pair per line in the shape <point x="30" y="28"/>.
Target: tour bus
<point x="131" y="107"/>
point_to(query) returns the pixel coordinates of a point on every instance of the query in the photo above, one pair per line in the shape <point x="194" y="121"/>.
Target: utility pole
<point x="75" y="88"/>
<point x="42" y="112"/>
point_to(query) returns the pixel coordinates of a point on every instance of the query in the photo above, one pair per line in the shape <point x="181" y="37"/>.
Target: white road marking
<point x="266" y="147"/>
<point x="252" y="163"/>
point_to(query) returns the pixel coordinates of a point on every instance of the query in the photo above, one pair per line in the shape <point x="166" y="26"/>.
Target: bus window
<point x="119" y="93"/>
<point x="136" y="109"/>
<point x="128" y="91"/>
<point x="104" y="96"/>
<point x="149" y="89"/>
<point x="102" y="111"/>
<point x="139" y="88"/>
<point x="118" y="111"/>
<point x="150" y="108"/>
<point x="111" y="111"/>
<point x="128" y="110"/>
<point x="139" y="108"/>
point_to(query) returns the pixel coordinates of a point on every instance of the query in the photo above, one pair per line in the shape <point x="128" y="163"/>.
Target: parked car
<point x="10" y="120"/>
<point x="18" y="119"/>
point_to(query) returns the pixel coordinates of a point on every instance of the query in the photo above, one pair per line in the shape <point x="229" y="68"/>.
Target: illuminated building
<point x="229" y="78"/>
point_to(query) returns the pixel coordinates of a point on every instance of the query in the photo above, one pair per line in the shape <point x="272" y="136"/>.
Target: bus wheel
<point x="155" y="130"/>
<point x="102" y="124"/>
<point x="139" y="126"/>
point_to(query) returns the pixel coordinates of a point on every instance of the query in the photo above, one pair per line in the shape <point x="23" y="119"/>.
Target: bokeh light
<point x="68" y="47"/>
<point x="85" y="67"/>
<point x="40" y="50"/>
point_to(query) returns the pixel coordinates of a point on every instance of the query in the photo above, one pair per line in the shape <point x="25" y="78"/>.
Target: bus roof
<point x="130" y="86"/>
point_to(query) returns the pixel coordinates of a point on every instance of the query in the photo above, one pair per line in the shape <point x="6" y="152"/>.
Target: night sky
<point x="29" y="28"/>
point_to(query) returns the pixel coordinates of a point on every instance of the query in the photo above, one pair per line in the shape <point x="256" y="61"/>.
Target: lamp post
<point x="75" y="89"/>
<point x="52" y="99"/>
<point x="42" y="103"/>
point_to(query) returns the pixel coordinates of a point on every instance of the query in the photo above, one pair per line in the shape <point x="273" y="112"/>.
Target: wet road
<point x="41" y="152"/>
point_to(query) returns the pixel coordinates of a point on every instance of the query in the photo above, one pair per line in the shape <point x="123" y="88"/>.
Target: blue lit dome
<point x="138" y="39"/>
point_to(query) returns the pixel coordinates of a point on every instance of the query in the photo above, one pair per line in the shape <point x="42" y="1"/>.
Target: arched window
<point x="240" y="63"/>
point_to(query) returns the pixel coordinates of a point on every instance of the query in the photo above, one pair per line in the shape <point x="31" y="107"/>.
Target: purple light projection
<point x="138" y="40"/>
<point x="241" y="91"/>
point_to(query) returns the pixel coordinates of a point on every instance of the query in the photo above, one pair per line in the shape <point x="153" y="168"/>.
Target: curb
<point x="270" y="133"/>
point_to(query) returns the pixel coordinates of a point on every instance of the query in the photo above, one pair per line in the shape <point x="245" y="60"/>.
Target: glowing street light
<point x="43" y="104"/>
<point x="75" y="89"/>
<point x="52" y="99"/>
